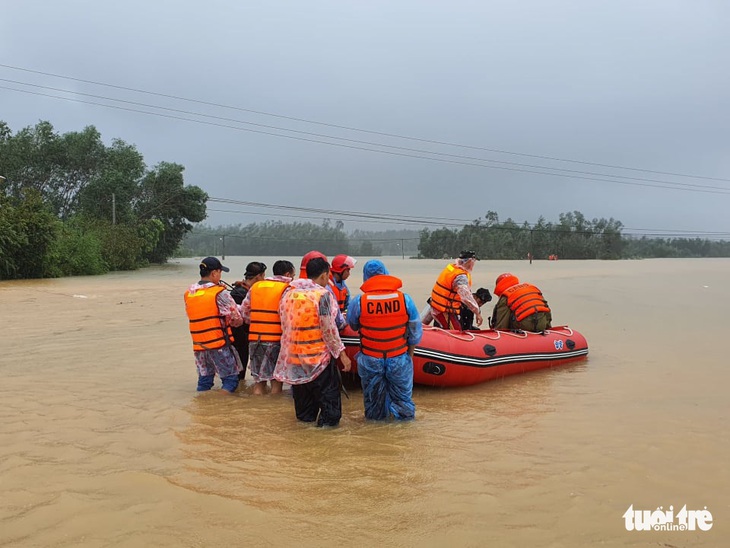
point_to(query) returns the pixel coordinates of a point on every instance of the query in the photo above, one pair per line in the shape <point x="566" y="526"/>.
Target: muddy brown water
<point x="104" y="441"/>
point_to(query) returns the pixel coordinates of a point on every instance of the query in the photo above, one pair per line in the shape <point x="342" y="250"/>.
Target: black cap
<point x="483" y="295"/>
<point x="211" y="263"/>
<point x="468" y="255"/>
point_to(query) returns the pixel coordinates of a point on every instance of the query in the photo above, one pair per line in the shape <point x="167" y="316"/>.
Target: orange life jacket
<point x="340" y="294"/>
<point x="207" y="326"/>
<point x="525" y="300"/>
<point x="383" y="318"/>
<point x="443" y="297"/>
<point x="265" y="321"/>
<point x="301" y="308"/>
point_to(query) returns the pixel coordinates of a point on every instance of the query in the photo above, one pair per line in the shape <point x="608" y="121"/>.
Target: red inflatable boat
<point x="454" y="358"/>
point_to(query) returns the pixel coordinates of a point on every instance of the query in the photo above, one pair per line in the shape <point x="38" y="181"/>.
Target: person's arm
<point x="353" y="313"/>
<point x="245" y="308"/>
<point x="461" y="284"/>
<point x="228" y="308"/>
<point x="501" y="314"/>
<point x="414" y="329"/>
<point x="328" y="311"/>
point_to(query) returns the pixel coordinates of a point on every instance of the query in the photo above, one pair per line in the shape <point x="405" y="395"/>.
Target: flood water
<point x="105" y="442"/>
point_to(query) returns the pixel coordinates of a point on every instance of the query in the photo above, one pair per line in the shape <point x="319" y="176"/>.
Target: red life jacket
<point x="207" y="325"/>
<point x="340" y="294"/>
<point x="443" y="297"/>
<point x="265" y="321"/>
<point x="383" y="318"/>
<point x="525" y="300"/>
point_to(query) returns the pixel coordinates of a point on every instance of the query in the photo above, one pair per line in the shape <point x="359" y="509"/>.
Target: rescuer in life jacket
<point x="390" y="328"/>
<point x="340" y="320"/>
<point x="255" y="271"/>
<point x="451" y="290"/>
<point x="260" y="309"/>
<point x="211" y="313"/>
<point x="310" y="346"/>
<point x="339" y="272"/>
<point x="520" y="306"/>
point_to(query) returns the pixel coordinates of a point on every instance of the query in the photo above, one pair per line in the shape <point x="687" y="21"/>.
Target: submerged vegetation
<point x="70" y="205"/>
<point x="572" y="237"/>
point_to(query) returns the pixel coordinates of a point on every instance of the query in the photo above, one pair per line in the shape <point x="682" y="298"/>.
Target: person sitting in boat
<point x="452" y="290"/>
<point x="481" y="296"/>
<point x="520" y="306"/>
<point x="339" y="272"/>
<point x="390" y="328"/>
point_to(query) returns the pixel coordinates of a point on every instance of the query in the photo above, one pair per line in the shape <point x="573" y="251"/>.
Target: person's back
<point x="520" y="306"/>
<point x="390" y="328"/>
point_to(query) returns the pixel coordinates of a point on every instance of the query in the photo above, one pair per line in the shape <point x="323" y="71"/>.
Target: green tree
<point x="164" y="197"/>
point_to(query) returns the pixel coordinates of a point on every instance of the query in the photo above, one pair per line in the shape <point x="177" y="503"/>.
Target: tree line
<point x="71" y="205"/>
<point x="277" y="238"/>
<point x="572" y="237"/>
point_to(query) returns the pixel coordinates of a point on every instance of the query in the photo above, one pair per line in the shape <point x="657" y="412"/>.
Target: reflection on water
<point x="104" y="441"/>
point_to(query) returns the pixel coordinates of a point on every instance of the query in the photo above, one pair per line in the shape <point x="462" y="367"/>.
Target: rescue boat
<point x="462" y="358"/>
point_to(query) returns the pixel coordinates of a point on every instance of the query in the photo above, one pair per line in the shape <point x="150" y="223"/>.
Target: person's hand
<point x="346" y="363"/>
<point x="479" y="319"/>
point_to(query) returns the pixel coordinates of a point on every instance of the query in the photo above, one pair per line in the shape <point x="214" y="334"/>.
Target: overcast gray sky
<point x="641" y="84"/>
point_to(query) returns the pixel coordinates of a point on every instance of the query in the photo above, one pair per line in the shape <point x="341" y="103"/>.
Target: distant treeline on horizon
<point x="572" y="237"/>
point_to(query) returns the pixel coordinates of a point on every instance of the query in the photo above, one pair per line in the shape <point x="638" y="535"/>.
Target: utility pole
<point x="223" y="247"/>
<point x="402" y="251"/>
<point x="114" y="208"/>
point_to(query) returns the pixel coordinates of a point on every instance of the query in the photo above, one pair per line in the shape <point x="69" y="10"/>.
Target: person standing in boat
<point x="255" y="271"/>
<point x="260" y="309"/>
<point x="452" y="290"/>
<point x="481" y="296"/>
<point x="211" y="313"/>
<point x="390" y="328"/>
<point x="310" y="346"/>
<point x="339" y="272"/>
<point x="520" y="306"/>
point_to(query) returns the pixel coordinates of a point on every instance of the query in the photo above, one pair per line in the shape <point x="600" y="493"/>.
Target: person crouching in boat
<point x="481" y="296"/>
<point x="211" y="313"/>
<point x="390" y="328"/>
<point x="520" y="306"/>
<point x="451" y="290"/>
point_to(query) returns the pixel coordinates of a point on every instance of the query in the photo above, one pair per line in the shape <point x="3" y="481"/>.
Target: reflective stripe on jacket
<point x="383" y="318"/>
<point x="340" y="294"/>
<point x="525" y="300"/>
<point x="443" y="296"/>
<point x="301" y="308"/>
<point x="265" y="321"/>
<point x="207" y="326"/>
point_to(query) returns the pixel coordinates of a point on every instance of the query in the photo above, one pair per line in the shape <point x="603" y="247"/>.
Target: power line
<point x="709" y="190"/>
<point x="350" y="128"/>
<point x="560" y="171"/>
<point x="459" y="223"/>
